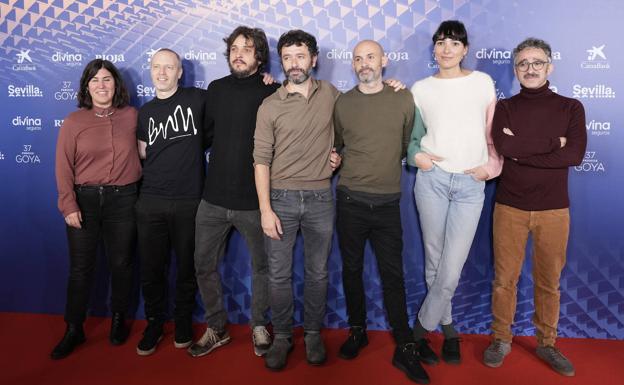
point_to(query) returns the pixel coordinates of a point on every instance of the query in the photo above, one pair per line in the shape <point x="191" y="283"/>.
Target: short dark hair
<point x="297" y="37"/>
<point x="451" y="29"/>
<point x="257" y="35"/>
<point x="121" y="97"/>
<point x="532" y="42"/>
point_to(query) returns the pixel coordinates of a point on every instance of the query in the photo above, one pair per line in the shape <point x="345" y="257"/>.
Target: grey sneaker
<point x="277" y="355"/>
<point x="556" y="360"/>
<point x="315" y="349"/>
<point x="494" y="355"/>
<point x="261" y="340"/>
<point x="211" y="340"/>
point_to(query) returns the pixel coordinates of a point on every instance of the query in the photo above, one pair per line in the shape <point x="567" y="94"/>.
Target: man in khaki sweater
<point x="292" y="148"/>
<point x="372" y="129"/>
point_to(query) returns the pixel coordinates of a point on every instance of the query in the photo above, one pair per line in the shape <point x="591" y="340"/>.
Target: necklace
<point x="105" y="113"/>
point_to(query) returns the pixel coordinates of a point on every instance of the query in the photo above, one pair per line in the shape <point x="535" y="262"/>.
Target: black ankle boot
<point x="119" y="331"/>
<point x="74" y="336"/>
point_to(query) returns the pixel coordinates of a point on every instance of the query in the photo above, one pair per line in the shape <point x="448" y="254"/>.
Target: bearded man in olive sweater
<point x="372" y="128"/>
<point x="541" y="134"/>
<point x="229" y="198"/>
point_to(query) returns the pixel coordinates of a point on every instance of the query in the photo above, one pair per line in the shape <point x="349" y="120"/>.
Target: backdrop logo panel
<point x="45" y="46"/>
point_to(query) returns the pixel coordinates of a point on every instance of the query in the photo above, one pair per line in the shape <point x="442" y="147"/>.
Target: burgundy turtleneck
<point x="535" y="171"/>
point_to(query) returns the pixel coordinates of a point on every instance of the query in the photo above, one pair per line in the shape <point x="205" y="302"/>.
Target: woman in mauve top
<point x="97" y="170"/>
<point x="452" y="147"/>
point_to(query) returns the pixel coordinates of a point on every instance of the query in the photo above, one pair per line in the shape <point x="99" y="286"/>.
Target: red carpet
<point x="27" y="340"/>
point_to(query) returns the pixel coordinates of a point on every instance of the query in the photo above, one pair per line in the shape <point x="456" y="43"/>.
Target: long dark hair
<point x="121" y="97"/>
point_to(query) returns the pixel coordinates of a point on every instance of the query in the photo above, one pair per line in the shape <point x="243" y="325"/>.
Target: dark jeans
<point x="164" y="224"/>
<point x="213" y="224"/>
<point x="312" y="211"/>
<point x="108" y="215"/>
<point x="381" y="224"/>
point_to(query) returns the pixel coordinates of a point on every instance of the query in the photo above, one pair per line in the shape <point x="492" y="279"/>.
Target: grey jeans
<point x="212" y="226"/>
<point x="312" y="212"/>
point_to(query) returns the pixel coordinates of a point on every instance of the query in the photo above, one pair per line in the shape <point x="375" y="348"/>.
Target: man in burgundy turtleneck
<point x="541" y="134"/>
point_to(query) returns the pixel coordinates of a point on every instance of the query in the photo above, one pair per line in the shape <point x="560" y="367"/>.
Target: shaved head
<point x="369" y="45"/>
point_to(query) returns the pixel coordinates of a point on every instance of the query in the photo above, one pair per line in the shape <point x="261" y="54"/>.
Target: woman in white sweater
<point x="452" y="147"/>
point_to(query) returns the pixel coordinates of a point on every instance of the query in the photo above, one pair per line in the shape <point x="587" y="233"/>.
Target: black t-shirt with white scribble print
<point x="176" y="133"/>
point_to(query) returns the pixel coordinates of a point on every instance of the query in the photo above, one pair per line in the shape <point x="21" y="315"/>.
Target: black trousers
<point x="107" y="215"/>
<point x="163" y="225"/>
<point x="381" y="224"/>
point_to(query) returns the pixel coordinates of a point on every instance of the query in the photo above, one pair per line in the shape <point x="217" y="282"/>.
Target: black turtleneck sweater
<point x="535" y="171"/>
<point x="232" y="107"/>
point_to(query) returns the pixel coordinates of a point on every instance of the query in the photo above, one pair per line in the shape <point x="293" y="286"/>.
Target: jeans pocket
<point x="427" y="170"/>
<point x="324" y="195"/>
<point x="277" y="194"/>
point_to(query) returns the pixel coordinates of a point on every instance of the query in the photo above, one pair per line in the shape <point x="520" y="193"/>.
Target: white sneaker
<point x="261" y="340"/>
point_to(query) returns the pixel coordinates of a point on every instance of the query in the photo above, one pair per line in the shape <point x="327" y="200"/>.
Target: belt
<point x="105" y="187"/>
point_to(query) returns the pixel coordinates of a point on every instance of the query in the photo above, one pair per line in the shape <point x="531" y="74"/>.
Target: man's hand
<point x="334" y="159"/>
<point x="267" y="78"/>
<point x="478" y="173"/>
<point x="424" y="161"/>
<point x="74" y="219"/>
<point x="396" y="84"/>
<point x="563" y="141"/>
<point x="271" y="225"/>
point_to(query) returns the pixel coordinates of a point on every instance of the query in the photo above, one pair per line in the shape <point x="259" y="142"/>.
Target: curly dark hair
<point x="298" y="37"/>
<point x="121" y="97"/>
<point x="259" y="39"/>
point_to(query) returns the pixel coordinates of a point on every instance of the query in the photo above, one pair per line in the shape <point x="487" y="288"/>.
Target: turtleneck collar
<point x="246" y="80"/>
<point x="536" y="92"/>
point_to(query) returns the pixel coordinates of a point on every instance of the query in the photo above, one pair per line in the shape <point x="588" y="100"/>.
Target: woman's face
<point x="449" y="53"/>
<point x="102" y="88"/>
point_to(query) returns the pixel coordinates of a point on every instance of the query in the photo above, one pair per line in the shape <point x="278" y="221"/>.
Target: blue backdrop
<point x="45" y="45"/>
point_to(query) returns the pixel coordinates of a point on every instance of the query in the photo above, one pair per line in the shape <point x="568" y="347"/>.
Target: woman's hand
<point x="74" y="219"/>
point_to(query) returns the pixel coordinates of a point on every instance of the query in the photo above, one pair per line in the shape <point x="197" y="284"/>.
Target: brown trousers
<point x="549" y="230"/>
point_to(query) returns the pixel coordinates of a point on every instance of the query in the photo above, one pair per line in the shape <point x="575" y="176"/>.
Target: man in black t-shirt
<point x="229" y="198"/>
<point x="172" y="136"/>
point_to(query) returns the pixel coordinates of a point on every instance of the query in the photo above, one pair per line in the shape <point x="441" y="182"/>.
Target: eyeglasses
<point x="524" y="65"/>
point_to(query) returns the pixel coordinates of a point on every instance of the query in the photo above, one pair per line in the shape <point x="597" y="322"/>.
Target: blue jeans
<point x="312" y="211"/>
<point x="449" y="208"/>
<point x="213" y="224"/>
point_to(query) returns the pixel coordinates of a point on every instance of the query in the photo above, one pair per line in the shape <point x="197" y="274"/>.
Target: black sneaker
<point x="406" y="359"/>
<point x="553" y="357"/>
<point x="151" y="337"/>
<point x="183" y="333"/>
<point x="74" y="336"/>
<point x="425" y="353"/>
<point x="450" y="351"/>
<point x="351" y="347"/>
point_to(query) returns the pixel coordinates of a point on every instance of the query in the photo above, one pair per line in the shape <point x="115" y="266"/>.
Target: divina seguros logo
<point x="68" y="58"/>
<point x="29" y="123"/>
<point x="347" y="56"/>
<point x="503" y="56"/>
<point x="597" y="128"/>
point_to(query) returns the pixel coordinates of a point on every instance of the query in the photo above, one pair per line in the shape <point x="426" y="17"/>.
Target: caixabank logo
<point x="148" y="60"/>
<point x="598" y="91"/>
<point x="25" y="91"/>
<point x="596" y="59"/>
<point x="27" y="156"/>
<point x="28" y="123"/>
<point x="23" y="61"/>
<point x="590" y="163"/>
<point x="598" y="128"/>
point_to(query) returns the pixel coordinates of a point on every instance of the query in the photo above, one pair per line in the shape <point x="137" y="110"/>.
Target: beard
<point x="366" y="76"/>
<point x="244" y="72"/>
<point x="303" y="75"/>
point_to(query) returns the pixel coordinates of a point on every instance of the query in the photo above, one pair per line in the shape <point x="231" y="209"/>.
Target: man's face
<point x="530" y="77"/>
<point x="243" y="61"/>
<point x="297" y="63"/>
<point x="368" y="61"/>
<point x="165" y="71"/>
